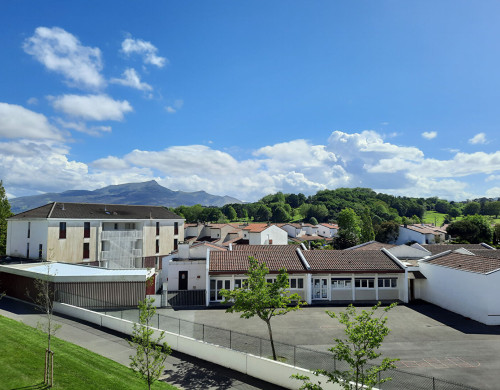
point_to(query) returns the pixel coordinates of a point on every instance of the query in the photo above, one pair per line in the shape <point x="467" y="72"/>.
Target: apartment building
<point x="111" y="236"/>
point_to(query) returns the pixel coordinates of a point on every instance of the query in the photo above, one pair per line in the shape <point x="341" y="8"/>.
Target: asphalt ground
<point x="183" y="371"/>
<point x="428" y="340"/>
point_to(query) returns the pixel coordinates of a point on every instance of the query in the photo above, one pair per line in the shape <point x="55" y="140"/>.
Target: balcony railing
<point x="112" y="234"/>
<point x="121" y="254"/>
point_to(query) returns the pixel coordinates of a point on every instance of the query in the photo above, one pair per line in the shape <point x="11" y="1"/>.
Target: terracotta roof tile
<point x="351" y="261"/>
<point x="468" y="263"/>
<point x="256" y="227"/>
<point x="440" y="248"/>
<point x="370" y="246"/>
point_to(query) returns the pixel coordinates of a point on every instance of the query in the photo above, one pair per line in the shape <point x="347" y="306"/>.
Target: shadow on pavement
<point x="453" y="320"/>
<point x="196" y="374"/>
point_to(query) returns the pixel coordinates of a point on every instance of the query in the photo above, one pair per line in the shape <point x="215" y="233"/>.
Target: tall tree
<point x="4" y="214"/>
<point x="367" y="234"/>
<point x="349" y="229"/>
<point x="473" y="229"/>
<point x="471" y="208"/>
<point x="365" y="333"/>
<point x="387" y="232"/>
<point x="260" y="298"/>
<point x="150" y="353"/>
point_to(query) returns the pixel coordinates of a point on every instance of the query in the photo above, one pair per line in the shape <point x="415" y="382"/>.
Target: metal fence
<point x="181" y="298"/>
<point x="297" y="356"/>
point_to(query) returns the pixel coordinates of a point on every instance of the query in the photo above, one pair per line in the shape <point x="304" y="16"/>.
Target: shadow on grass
<point x="37" y="386"/>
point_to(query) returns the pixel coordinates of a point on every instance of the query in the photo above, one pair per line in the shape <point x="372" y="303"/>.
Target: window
<point x="116" y="226"/>
<point x="270" y="242"/>
<point x="130" y="226"/>
<point x="341" y="283"/>
<point x="157" y="246"/>
<point x="40" y="251"/>
<point x="216" y="285"/>
<point x="28" y="250"/>
<point x="364" y="283"/>
<point x="62" y="229"/>
<point x="387" y="282"/>
<point x="157" y="228"/>
<point x="29" y="229"/>
<point x="86" y="229"/>
<point x="176" y="243"/>
<point x="176" y="227"/>
<point x="240" y="283"/>
<point x="296" y="283"/>
<point x="271" y="280"/>
<point x="86" y="250"/>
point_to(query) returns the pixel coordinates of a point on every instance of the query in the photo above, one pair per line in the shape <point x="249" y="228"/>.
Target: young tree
<point x="262" y="299"/>
<point x="44" y="299"/>
<point x="365" y="334"/>
<point x="4" y="214"/>
<point x="149" y="359"/>
<point x="367" y="234"/>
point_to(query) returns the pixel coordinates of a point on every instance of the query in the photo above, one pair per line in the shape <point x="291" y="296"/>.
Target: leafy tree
<point x="454" y="212"/>
<point x="313" y="221"/>
<point x="471" y="208"/>
<point x="365" y="334"/>
<point x="4" y="214"/>
<point x="318" y="211"/>
<point x="262" y="299"/>
<point x="496" y="234"/>
<point x="279" y="213"/>
<point x="442" y="206"/>
<point x="150" y="353"/>
<point x="349" y="229"/>
<point x="230" y="213"/>
<point x="492" y="208"/>
<point x="262" y="213"/>
<point x="387" y="232"/>
<point x="473" y="229"/>
<point x="367" y="234"/>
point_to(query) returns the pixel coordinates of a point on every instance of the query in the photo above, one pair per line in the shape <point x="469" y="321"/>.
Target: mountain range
<point x="146" y="193"/>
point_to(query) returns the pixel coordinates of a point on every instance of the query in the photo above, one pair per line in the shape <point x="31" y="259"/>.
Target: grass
<point x="433" y="217"/>
<point x="22" y="353"/>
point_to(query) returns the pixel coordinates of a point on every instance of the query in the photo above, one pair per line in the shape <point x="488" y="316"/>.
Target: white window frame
<point x="297" y="282"/>
<point x="345" y="285"/>
<point x="363" y="285"/>
<point x="387" y="282"/>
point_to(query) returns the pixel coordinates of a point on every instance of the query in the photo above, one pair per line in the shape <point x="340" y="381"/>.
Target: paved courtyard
<point x="427" y="339"/>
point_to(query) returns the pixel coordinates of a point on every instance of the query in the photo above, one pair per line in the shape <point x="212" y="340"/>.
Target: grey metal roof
<point x="62" y="210"/>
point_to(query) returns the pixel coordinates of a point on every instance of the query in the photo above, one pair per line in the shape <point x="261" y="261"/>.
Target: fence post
<point x="158" y="320"/>
<point x="203" y="336"/>
<point x="179" y="327"/>
<point x="294" y="349"/>
<point x="230" y="339"/>
<point x="260" y="347"/>
<point x="433" y="384"/>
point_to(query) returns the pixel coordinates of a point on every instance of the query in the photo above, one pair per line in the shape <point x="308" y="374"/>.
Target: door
<point x="320" y="288"/>
<point x="183" y="280"/>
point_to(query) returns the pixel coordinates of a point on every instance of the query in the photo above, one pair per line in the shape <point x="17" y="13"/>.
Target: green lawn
<point x="433" y="217"/>
<point x="22" y="353"/>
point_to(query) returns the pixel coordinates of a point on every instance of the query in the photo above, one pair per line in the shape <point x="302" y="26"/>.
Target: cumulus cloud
<point x="429" y="134"/>
<point x="92" y="107"/>
<point x="61" y="52"/>
<point x="479" y="138"/>
<point x="32" y="101"/>
<point x="145" y="49"/>
<point x="130" y="78"/>
<point x="19" y="122"/>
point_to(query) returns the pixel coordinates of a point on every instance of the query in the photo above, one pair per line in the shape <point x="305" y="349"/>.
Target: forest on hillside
<point x="378" y="212"/>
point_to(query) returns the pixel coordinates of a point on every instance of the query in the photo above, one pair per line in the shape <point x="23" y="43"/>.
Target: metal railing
<point x="297" y="356"/>
<point x="118" y="254"/>
<point x="110" y="234"/>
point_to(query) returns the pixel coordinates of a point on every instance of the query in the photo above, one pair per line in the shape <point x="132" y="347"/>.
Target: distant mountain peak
<point x="143" y="193"/>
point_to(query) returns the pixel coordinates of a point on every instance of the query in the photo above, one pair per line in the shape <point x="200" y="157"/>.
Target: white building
<point x="263" y="234"/>
<point x="111" y="236"/>
<point x="327" y="230"/>
<point x="422" y="234"/>
<point x="464" y="283"/>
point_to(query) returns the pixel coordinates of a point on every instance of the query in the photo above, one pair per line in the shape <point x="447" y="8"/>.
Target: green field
<point x="22" y="350"/>
<point x="433" y="217"/>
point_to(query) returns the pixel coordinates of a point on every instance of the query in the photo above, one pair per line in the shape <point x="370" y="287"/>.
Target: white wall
<point x="274" y="233"/>
<point x="326" y="232"/>
<point x="470" y="294"/>
<point x="17" y="238"/>
<point x="265" y="369"/>
<point x="196" y="274"/>
<point x="406" y="235"/>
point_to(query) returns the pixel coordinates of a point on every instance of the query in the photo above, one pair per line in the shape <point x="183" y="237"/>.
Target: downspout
<point x="207" y="279"/>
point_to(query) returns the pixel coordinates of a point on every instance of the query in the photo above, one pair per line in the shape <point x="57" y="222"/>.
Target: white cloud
<point x="61" y="52"/>
<point x="92" y="107"/>
<point x="19" y="122"/>
<point x="493" y="192"/>
<point x="429" y="134"/>
<point x="479" y="138"/>
<point x="178" y="103"/>
<point x="110" y="163"/>
<point x="32" y="101"/>
<point x="131" y="79"/>
<point x="146" y="49"/>
<point x="83" y="128"/>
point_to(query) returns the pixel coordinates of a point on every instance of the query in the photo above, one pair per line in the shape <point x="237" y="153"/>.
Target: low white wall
<point x="157" y="299"/>
<point x="264" y="369"/>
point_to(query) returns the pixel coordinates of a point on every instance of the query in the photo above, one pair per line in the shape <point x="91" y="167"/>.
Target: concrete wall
<point x="17" y="238"/>
<point x="265" y="369"/>
<point x="470" y="294"/>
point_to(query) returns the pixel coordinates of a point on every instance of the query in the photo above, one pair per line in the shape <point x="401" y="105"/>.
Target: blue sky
<point x="246" y="98"/>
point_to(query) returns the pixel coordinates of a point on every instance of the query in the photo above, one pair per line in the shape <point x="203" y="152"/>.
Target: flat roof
<point x="65" y="272"/>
